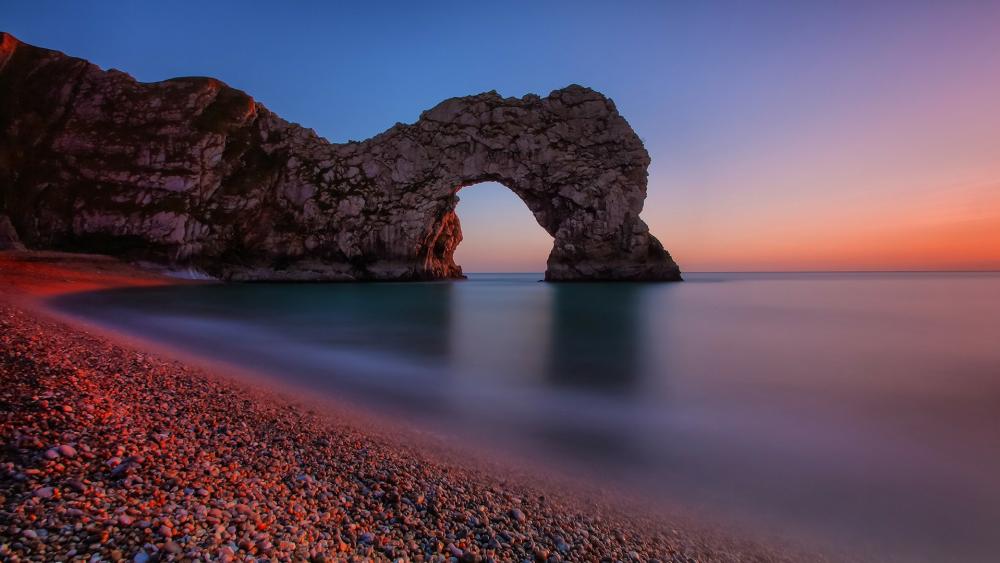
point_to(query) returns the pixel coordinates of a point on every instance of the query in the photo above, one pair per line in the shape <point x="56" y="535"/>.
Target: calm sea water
<point x="860" y="409"/>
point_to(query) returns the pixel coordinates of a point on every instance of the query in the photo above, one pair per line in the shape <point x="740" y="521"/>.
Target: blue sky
<point x="762" y="118"/>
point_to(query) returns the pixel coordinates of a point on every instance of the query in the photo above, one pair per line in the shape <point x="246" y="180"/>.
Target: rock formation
<point x="191" y="172"/>
<point x="8" y="235"/>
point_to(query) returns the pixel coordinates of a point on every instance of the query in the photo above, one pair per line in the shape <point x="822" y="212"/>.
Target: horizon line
<point x="996" y="271"/>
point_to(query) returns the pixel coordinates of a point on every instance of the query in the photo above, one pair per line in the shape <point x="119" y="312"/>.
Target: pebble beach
<point x="111" y="452"/>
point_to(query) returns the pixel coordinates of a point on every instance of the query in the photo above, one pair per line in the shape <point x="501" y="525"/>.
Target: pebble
<point x="172" y="547"/>
<point x="45" y="492"/>
<point x="76" y="485"/>
<point x="561" y="545"/>
<point x="66" y="450"/>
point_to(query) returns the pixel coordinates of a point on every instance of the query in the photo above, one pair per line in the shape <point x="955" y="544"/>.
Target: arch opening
<point x="499" y="233"/>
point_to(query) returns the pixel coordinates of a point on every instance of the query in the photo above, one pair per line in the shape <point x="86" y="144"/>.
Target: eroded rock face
<point x="8" y="235"/>
<point x="189" y="171"/>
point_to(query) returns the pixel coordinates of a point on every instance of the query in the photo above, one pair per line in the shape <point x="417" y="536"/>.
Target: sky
<point x="783" y="135"/>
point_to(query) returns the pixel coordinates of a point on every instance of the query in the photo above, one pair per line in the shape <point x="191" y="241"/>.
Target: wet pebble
<point x="45" y="492"/>
<point x="172" y="547"/>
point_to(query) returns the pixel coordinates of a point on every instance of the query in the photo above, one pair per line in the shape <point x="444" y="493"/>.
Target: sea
<point x="860" y="410"/>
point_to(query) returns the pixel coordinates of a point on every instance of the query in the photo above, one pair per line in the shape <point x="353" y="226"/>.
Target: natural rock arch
<point x="190" y="171"/>
<point x="570" y="157"/>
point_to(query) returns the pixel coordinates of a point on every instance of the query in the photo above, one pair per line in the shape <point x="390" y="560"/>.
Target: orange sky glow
<point x="888" y="163"/>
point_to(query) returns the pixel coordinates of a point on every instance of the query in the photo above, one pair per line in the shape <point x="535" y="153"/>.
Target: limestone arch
<point x="571" y="158"/>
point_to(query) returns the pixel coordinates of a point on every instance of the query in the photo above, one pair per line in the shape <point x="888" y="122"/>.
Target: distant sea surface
<point x="855" y="409"/>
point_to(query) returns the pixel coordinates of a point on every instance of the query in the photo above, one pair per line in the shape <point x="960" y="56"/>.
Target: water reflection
<point x="344" y="338"/>
<point x="596" y="337"/>
<point x="412" y="320"/>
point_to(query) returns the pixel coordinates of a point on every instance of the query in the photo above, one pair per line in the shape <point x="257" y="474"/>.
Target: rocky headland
<point x="194" y="173"/>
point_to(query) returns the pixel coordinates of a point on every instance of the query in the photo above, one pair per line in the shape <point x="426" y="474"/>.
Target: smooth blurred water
<point x="854" y="408"/>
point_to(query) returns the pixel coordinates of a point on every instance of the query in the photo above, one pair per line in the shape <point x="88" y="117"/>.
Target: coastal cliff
<point x="191" y="172"/>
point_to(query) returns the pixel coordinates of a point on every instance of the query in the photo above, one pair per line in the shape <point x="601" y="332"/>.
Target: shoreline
<point x="121" y="450"/>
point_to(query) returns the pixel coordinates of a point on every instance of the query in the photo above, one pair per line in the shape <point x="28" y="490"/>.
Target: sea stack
<point x="190" y="172"/>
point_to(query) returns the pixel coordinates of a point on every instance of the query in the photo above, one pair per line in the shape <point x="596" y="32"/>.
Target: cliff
<point x="191" y="172"/>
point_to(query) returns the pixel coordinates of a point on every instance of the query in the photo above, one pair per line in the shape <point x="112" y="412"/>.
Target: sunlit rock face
<point x="192" y="172"/>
